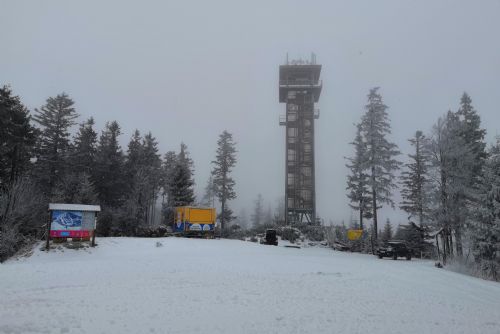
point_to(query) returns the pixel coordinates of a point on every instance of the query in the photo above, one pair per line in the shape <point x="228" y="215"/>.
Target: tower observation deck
<point x="300" y="87"/>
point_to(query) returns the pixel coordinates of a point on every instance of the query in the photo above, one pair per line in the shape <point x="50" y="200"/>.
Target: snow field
<point x="129" y="285"/>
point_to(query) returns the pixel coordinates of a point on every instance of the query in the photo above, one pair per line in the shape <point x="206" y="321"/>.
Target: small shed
<point x="72" y="221"/>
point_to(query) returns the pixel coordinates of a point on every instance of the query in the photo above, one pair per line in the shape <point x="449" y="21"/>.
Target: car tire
<point x="395" y="257"/>
<point x="408" y="257"/>
<point x="380" y="256"/>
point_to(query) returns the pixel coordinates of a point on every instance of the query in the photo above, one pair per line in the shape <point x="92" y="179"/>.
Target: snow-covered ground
<point x="129" y="285"/>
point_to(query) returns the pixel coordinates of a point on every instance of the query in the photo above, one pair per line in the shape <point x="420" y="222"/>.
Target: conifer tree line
<point x="41" y="162"/>
<point x="449" y="184"/>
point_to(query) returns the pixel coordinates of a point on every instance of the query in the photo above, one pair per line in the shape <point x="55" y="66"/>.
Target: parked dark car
<point x="394" y="249"/>
<point x="270" y="238"/>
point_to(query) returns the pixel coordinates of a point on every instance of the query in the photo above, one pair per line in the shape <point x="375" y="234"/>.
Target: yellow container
<point x="354" y="234"/>
<point x="194" y="220"/>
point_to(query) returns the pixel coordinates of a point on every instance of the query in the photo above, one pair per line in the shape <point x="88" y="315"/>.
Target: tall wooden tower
<point x="299" y="88"/>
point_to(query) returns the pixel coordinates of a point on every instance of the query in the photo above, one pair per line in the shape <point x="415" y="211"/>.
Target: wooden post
<point x="47" y="245"/>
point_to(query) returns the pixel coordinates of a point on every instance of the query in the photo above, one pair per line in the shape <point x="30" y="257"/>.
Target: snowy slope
<point x="128" y="285"/>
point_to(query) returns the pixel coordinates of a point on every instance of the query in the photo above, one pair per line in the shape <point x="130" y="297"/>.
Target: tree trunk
<point x="145" y="209"/>
<point x="13" y="166"/>
<point x="447" y="243"/>
<point x="223" y="201"/>
<point x="443" y="239"/>
<point x="375" y="225"/>
<point x="361" y="215"/>
<point x="450" y="237"/>
<point x="223" y="205"/>
<point x="458" y="241"/>
<point x="437" y="247"/>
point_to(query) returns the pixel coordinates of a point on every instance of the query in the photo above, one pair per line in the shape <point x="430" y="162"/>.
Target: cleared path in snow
<point x="128" y="285"/>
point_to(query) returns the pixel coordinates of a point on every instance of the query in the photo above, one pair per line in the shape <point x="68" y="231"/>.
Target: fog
<point x="188" y="70"/>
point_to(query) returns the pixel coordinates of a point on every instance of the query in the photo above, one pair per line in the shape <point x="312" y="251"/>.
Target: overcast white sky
<point x="187" y="70"/>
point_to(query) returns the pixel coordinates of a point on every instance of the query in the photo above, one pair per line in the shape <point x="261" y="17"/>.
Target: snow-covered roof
<point x="74" y="207"/>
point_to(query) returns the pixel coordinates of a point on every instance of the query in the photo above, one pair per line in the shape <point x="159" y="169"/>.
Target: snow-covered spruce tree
<point x="167" y="174"/>
<point x="143" y="170"/>
<point x="17" y="137"/>
<point x="134" y="155"/>
<point x="21" y="203"/>
<point x="181" y="183"/>
<point x="450" y="161"/>
<point x="21" y="206"/>
<point x="387" y="232"/>
<point x="209" y="193"/>
<point x="226" y="216"/>
<point x="132" y="214"/>
<point x="55" y="118"/>
<point x="224" y="162"/>
<point x="485" y="226"/>
<point x="472" y="135"/>
<point x="186" y="159"/>
<point x="415" y="180"/>
<point x="109" y="173"/>
<point x="136" y="213"/>
<point x="84" y="148"/>
<point x="358" y="179"/>
<point x="442" y="148"/>
<point x="151" y="164"/>
<point x="76" y="186"/>
<point x="380" y="163"/>
<point x="86" y="190"/>
<point x="168" y="166"/>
